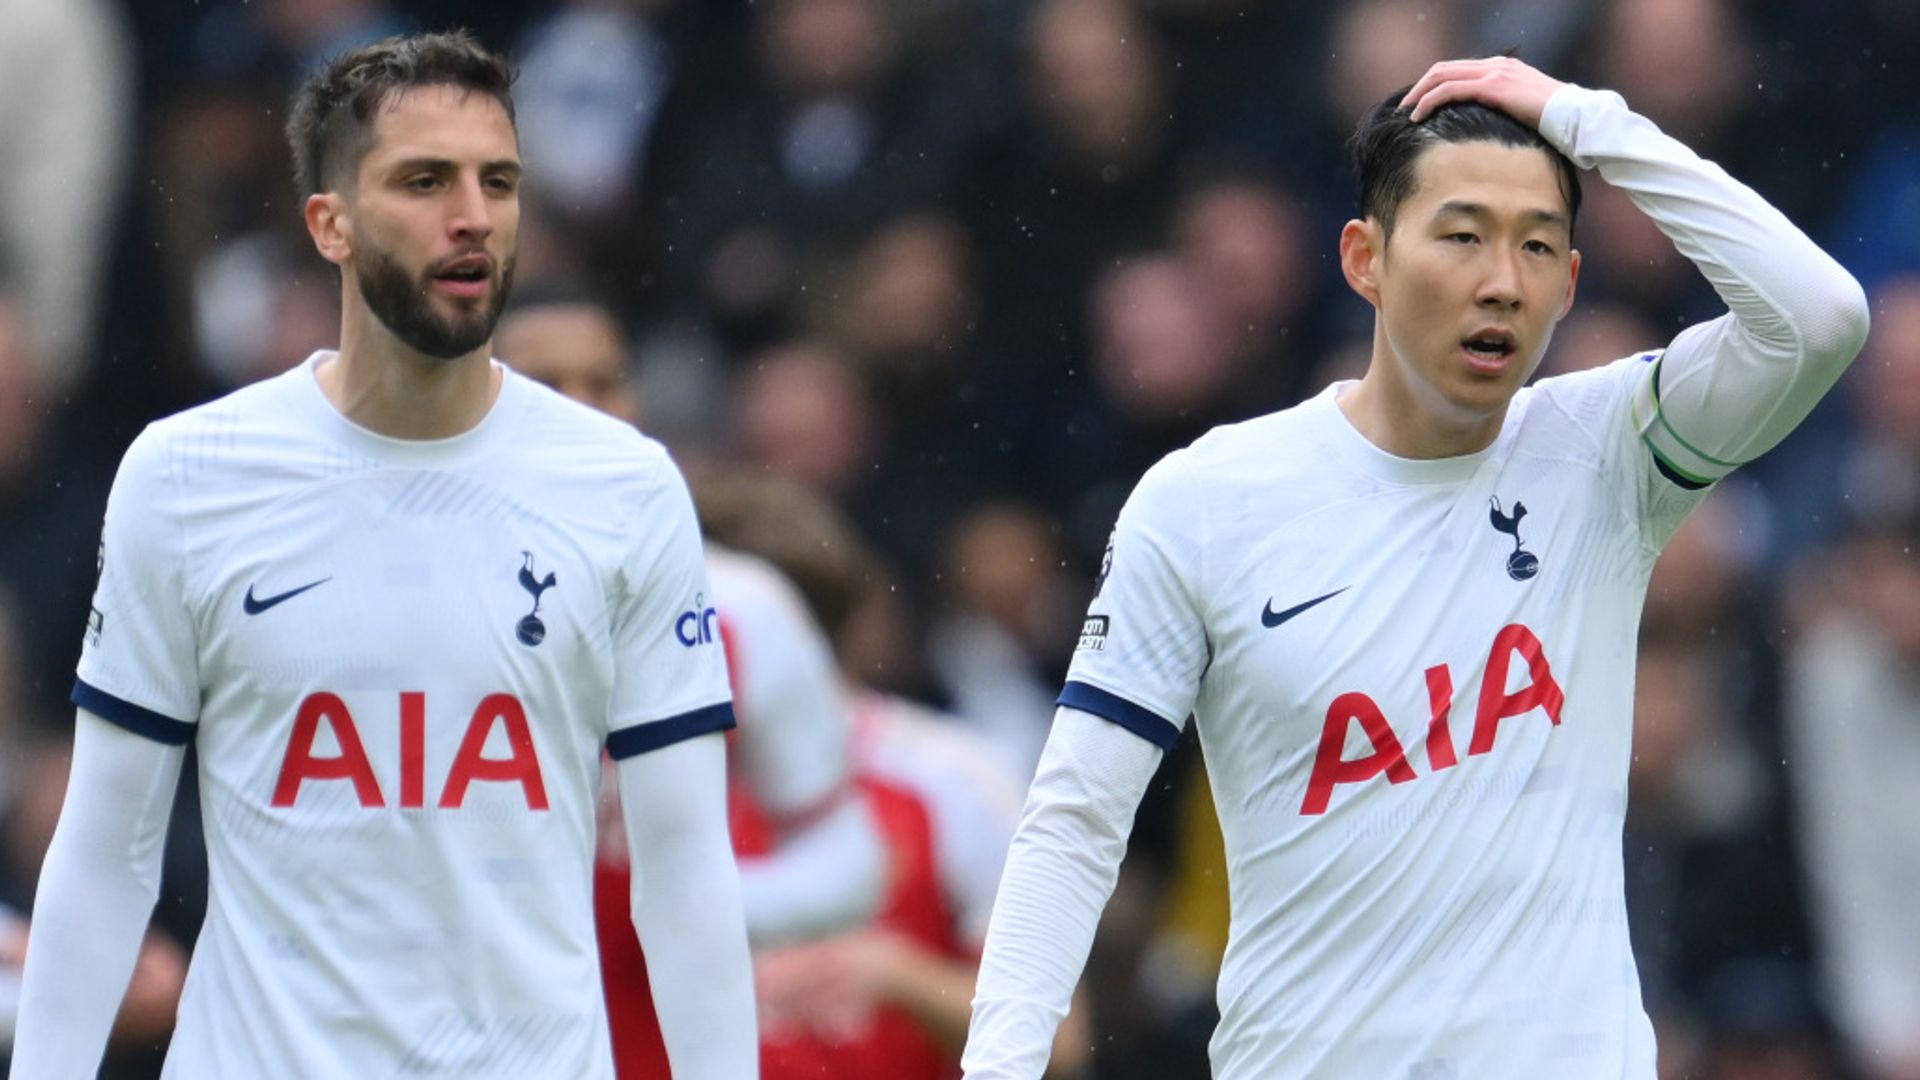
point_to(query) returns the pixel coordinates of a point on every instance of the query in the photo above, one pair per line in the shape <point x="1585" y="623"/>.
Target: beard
<point x="401" y="302"/>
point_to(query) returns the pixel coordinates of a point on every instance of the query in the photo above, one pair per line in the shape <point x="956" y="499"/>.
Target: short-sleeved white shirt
<point x="1447" y="899"/>
<point x="399" y="662"/>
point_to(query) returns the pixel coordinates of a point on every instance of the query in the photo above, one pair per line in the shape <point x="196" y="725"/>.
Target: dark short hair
<point x="1387" y="145"/>
<point x="330" y="124"/>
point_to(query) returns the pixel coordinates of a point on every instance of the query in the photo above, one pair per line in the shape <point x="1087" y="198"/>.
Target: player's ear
<point x="330" y="227"/>
<point x="1363" y="246"/>
<point x="1573" y="279"/>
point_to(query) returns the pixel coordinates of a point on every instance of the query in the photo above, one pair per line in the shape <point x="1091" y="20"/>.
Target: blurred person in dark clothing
<point x="805" y="410"/>
<point x="53" y="481"/>
<point x="1864" y="466"/>
<point x="1081" y="172"/>
<point x="906" y="311"/>
<point x="144" y="1024"/>
<point x="564" y="336"/>
<point x="1162" y="368"/>
<point x="1241" y="70"/>
<point x="1365" y="42"/>
<point x="771" y="158"/>
<point x="1852" y="708"/>
<point x="1005" y="603"/>
<point x="1246" y="240"/>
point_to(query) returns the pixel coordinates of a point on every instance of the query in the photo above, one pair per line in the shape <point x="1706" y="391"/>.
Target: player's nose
<point x="1500" y="282"/>
<point x="470" y="213"/>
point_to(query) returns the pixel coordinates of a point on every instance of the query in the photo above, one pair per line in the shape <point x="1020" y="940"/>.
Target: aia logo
<point x="1522" y="564"/>
<point x="531" y="631"/>
<point x="1496" y="703"/>
<point x="301" y="764"/>
<point x="695" y="627"/>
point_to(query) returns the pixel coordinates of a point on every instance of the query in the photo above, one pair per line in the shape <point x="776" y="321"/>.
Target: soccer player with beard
<point x="398" y="599"/>
<point x="1402" y="615"/>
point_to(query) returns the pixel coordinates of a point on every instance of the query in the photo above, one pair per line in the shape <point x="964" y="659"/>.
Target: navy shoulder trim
<point x="640" y="738"/>
<point x="1145" y="723"/>
<point x="135" y="718"/>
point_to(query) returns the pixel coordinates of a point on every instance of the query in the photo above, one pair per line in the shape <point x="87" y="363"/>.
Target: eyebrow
<point x="1478" y="210"/>
<point x="502" y="165"/>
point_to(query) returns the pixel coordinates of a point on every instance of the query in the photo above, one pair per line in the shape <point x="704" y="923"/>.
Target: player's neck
<point x="1395" y="418"/>
<point x="383" y="385"/>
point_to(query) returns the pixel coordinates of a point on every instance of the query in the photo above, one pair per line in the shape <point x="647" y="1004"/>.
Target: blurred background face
<point x="576" y="349"/>
<point x="1888" y="591"/>
<point x="1380" y="44"/>
<point x="908" y="289"/>
<point x="1243" y="240"/>
<point x="1886" y="377"/>
<point x="823" y="47"/>
<point x="1094" y="77"/>
<point x="802" y="412"/>
<point x="1160" y="345"/>
<point x="1598" y="333"/>
<point x="1683" y="59"/>
<point x="21" y="411"/>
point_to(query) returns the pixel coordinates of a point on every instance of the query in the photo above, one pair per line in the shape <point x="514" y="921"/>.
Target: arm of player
<point x="97" y="889"/>
<point x="1060" y="873"/>
<point x="828" y="865"/>
<point x="1729" y="389"/>
<point x="825" y="875"/>
<point x="1726" y="390"/>
<point x="686" y="907"/>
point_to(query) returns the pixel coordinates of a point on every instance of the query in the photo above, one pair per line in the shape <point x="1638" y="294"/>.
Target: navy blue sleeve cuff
<point x="1145" y="723"/>
<point x="135" y="718"/>
<point x="636" y="740"/>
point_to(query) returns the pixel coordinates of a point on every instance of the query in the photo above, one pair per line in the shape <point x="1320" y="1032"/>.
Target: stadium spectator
<point x="65" y="129"/>
<point x="1853" y="727"/>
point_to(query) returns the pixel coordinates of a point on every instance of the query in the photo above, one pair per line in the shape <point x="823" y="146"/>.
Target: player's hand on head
<point x="1507" y="84"/>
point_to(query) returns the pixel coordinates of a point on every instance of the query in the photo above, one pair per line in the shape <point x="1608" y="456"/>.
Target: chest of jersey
<point x="374" y="642"/>
<point x="1465" y="620"/>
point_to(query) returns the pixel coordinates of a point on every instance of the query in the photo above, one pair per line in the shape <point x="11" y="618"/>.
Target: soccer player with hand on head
<point x="398" y="598"/>
<point x="1403" y="613"/>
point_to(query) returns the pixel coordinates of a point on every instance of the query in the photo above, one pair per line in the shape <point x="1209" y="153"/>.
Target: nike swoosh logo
<point x="1270" y="618"/>
<point x="255" y="607"/>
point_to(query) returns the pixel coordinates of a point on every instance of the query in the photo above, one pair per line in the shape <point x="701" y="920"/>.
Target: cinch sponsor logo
<point x="695" y="627"/>
<point x="1093" y="632"/>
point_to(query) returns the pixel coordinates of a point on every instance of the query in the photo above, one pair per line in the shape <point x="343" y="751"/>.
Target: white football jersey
<point x="1413" y="684"/>
<point x="399" y="662"/>
<point x="971" y="795"/>
<point x="792" y="747"/>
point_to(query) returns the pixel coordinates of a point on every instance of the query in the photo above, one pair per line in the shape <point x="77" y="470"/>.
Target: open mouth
<point x="1490" y="347"/>
<point x="469" y="276"/>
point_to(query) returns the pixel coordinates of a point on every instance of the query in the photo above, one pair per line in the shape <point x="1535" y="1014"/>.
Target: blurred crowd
<point x="963" y="269"/>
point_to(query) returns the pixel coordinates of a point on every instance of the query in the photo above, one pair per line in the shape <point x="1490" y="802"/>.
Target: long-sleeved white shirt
<point x="1413" y="680"/>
